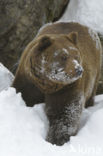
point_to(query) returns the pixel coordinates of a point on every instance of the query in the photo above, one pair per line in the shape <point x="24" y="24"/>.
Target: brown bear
<point x="61" y="65"/>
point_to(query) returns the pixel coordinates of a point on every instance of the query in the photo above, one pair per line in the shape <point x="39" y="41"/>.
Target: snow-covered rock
<point x="87" y="12"/>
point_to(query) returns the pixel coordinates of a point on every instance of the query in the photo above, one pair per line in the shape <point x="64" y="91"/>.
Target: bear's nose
<point x="79" y="71"/>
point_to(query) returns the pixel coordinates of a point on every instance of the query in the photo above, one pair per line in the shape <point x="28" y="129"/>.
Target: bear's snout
<point x="79" y="71"/>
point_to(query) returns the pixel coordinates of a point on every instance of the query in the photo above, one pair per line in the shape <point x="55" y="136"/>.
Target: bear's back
<point x="62" y="28"/>
<point x="88" y="39"/>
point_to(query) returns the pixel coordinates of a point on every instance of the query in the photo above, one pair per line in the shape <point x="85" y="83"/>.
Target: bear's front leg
<point x="64" y="120"/>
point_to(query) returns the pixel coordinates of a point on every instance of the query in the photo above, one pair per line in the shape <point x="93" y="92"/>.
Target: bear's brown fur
<point x="63" y="64"/>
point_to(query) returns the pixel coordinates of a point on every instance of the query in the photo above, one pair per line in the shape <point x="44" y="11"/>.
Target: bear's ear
<point x="44" y="43"/>
<point x="73" y="37"/>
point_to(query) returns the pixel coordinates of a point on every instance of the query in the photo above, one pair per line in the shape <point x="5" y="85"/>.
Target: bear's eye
<point x="64" y="58"/>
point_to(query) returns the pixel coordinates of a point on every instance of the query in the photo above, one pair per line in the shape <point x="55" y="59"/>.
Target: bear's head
<point x="54" y="61"/>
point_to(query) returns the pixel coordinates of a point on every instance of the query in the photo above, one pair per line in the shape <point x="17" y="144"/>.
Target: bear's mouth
<point x="52" y="82"/>
<point x="63" y="78"/>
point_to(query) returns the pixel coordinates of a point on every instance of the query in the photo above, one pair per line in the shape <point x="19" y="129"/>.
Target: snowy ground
<point x="23" y="129"/>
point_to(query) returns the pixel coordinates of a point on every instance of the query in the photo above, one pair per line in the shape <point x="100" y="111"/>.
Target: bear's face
<point x="55" y="62"/>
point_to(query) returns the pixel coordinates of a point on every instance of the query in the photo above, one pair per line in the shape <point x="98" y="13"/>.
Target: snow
<point x="87" y="12"/>
<point x="72" y="48"/>
<point x="65" y="51"/>
<point x="6" y="77"/>
<point x="77" y="65"/>
<point x="23" y="129"/>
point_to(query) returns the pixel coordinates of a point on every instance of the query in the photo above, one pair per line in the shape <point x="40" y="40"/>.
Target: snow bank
<point x="6" y="77"/>
<point x="87" y="12"/>
<point x="23" y="129"/>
